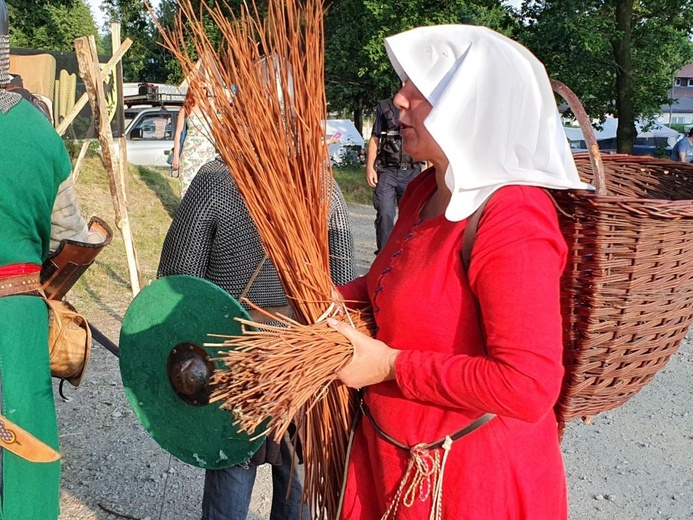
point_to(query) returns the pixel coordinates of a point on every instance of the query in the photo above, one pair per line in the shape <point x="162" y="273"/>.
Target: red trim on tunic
<point x="17" y="269"/>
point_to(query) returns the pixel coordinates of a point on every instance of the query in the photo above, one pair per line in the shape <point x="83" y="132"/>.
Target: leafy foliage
<point x="144" y="61"/>
<point x="51" y="26"/>
<point x="619" y="56"/>
<point x="147" y="60"/>
<point x="358" y="72"/>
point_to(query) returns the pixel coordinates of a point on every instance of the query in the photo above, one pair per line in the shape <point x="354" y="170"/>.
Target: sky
<point x="95" y="6"/>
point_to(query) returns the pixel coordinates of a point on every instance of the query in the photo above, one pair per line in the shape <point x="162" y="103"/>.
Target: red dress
<point x="510" y="468"/>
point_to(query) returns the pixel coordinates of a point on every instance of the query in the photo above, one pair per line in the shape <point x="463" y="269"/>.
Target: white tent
<point x="645" y="129"/>
<point x="349" y="139"/>
<point x="655" y="129"/>
<point x="573" y="133"/>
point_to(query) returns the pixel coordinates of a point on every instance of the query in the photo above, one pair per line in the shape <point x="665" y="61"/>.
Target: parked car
<point x="149" y="134"/>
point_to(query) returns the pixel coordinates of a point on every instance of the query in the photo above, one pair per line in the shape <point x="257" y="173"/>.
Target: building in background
<point x="681" y="110"/>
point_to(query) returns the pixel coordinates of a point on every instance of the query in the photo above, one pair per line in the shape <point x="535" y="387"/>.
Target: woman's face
<point x="413" y="109"/>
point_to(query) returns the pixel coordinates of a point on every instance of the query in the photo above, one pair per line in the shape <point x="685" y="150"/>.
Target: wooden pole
<point x="90" y="72"/>
<point x="80" y="158"/>
<point x="117" y="56"/>
<point x="124" y="170"/>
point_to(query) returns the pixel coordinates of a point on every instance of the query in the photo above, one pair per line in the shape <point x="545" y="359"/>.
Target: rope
<point x="437" y="508"/>
<point x="424" y="473"/>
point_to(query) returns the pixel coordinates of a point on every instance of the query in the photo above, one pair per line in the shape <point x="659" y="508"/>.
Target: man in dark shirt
<point x="388" y="168"/>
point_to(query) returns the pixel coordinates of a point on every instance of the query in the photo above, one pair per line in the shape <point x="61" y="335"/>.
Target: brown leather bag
<point x="69" y="341"/>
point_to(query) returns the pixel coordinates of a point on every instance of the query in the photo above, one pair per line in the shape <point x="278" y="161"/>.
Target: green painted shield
<point x="173" y="314"/>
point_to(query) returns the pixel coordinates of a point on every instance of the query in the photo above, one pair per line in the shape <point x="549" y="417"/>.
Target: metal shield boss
<point x="165" y="369"/>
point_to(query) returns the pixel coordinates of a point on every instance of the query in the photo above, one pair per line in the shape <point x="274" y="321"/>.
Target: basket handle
<point x="583" y="120"/>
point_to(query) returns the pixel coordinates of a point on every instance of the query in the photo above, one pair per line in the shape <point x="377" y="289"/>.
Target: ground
<point x="633" y="463"/>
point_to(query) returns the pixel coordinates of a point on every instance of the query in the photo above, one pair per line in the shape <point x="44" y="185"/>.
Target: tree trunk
<point x="625" y="92"/>
<point x="358" y="116"/>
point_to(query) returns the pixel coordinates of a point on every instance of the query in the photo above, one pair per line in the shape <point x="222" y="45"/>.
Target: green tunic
<point x="33" y="163"/>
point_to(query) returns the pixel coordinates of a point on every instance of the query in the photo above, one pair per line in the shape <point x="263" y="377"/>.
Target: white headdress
<point x="494" y="114"/>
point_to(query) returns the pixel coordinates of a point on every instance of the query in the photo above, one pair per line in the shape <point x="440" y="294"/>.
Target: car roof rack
<point x="156" y="94"/>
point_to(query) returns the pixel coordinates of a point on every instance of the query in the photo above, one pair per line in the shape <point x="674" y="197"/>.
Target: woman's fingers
<point x="373" y="361"/>
<point x="343" y="328"/>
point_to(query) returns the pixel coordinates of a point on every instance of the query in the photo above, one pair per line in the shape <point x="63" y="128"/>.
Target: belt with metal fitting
<point x="20" y="284"/>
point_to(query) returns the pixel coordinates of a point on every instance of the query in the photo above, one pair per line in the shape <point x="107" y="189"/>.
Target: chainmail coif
<point x="213" y="237"/>
<point x="8" y="100"/>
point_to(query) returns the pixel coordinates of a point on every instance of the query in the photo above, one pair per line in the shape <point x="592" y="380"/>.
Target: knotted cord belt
<point x="425" y="469"/>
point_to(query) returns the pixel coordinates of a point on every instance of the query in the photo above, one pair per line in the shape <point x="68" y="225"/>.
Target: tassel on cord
<point x="424" y="473"/>
<point x="437" y="507"/>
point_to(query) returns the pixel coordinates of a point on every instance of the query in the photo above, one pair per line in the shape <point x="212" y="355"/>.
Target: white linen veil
<point x="494" y="113"/>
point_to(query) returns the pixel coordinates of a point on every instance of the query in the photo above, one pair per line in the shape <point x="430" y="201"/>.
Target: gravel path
<point x="633" y="463"/>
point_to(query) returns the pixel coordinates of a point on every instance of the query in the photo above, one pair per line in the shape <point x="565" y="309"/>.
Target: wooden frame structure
<point x="115" y="164"/>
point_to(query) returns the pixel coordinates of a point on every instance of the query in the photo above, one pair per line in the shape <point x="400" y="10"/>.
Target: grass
<point x="352" y="181"/>
<point x="104" y="293"/>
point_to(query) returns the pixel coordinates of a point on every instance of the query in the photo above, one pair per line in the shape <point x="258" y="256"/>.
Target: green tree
<point x="145" y="60"/>
<point x="166" y="16"/>
<point x="619" y="56"/>
<point x="357" y="71"/>
<point x="49" y="26"/>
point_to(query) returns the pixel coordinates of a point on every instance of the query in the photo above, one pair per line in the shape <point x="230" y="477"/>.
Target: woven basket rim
<point x="645" y="160"/>
<point x="589" y="194"/>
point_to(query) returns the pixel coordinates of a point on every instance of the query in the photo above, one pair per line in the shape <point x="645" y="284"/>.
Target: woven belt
<point x="20" y="284"/>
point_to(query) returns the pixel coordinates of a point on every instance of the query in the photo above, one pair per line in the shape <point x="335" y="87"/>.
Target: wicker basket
<point x="627" y="292"/>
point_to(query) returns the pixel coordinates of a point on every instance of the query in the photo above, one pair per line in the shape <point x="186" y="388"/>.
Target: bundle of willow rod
<point x="266" y="116"/>
<point x="266" y="113"/>
<point x="253" y="369"/>
<point x="287" y="372"/>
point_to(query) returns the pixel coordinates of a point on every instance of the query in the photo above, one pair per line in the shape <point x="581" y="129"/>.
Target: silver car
<point x="149" y="134"/>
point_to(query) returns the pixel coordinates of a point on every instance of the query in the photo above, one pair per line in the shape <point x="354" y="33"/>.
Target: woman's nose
<point x="400" y="100"/>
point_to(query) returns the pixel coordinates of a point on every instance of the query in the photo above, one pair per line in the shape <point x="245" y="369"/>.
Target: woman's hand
<point x="175" y="164"/>
<point x="373" y="361"/>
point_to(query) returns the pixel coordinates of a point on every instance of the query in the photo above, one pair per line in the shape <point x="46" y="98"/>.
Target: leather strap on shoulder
<point x="469" y="235"/>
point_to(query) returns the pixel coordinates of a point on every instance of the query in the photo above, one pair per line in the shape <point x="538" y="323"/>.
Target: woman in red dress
<point x="456" y="345"/>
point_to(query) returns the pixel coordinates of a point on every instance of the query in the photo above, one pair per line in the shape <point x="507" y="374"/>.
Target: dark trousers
<point x="392" y="181"/>
<point x="227" y="491"/>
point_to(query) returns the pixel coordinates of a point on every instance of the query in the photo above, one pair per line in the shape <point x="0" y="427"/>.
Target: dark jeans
<point x="227" y="491"/>
<point x="392" y="181"/>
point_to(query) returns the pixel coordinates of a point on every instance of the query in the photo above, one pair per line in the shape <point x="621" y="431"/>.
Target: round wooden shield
<point x="165" y="369"/>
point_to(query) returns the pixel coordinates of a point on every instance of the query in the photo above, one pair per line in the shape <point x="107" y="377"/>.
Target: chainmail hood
<point x="212" y="236"/>
<point x="7" y="99"/>
<point x="4" y="45"/>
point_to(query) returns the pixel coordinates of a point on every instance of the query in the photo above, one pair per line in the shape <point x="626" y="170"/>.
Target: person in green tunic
<point x="34" y="167"/>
